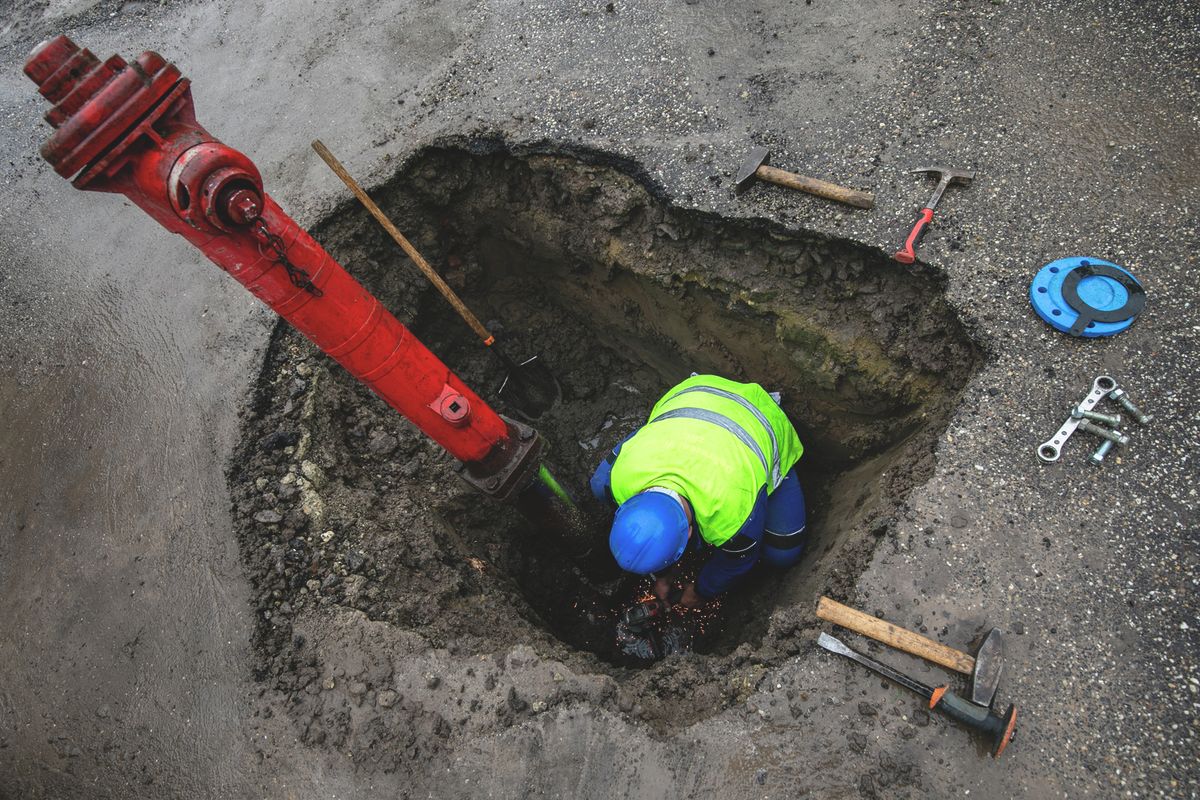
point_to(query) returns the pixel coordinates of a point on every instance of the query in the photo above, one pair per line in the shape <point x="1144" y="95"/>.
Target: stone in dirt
<point x="277" y="440"/>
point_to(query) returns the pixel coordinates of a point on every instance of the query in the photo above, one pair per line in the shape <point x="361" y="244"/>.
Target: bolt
<point x="243" y="206"/>
<point x="493" y="484"/>
<point x="1112" y="436"/>
<point x="1098" y="456"/>
<point x="1113" y="421"/>
<point x="1122" y="398"/>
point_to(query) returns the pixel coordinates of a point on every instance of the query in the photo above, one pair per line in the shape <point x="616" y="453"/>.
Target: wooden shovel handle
<point x="405" y="245"/>
<point x="803" y="183"/>
<point x="894" y="636"/>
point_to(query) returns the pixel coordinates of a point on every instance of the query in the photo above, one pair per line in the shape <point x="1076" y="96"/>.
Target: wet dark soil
<point x="343" y="504"/>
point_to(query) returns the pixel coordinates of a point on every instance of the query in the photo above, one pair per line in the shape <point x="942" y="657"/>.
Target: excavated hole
<point x="571" y="259"/>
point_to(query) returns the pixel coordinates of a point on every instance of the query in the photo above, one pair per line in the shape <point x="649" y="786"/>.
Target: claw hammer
<point x="908" y="254"/>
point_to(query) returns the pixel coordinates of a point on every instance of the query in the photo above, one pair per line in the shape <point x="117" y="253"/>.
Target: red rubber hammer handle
<point x="908" y="254"/>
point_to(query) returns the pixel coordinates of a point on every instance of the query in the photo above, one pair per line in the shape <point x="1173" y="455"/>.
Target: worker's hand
<point x="691" y="598"/>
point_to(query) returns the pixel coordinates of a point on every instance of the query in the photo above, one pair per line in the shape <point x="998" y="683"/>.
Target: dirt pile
<point x="399" y="610"/>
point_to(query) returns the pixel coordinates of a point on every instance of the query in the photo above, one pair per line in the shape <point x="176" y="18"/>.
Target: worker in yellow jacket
<point x="713" y="469"/>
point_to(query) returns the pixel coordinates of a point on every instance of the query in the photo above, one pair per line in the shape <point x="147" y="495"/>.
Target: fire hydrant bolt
<point x="243" y="206"/>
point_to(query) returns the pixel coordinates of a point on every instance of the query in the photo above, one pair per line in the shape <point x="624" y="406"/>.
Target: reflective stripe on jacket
<point x="716" y="442"/>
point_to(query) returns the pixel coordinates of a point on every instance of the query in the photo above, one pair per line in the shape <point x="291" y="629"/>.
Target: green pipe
<point x="548" y="479"/>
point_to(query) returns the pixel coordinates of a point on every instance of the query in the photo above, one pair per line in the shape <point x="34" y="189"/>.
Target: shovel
<point x="529" y="385"/>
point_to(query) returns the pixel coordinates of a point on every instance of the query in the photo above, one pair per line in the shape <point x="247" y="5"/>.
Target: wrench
<point x="1049" y="450"/>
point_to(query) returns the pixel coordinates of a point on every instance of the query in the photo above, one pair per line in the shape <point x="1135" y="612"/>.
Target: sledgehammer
<point x="984" y="668"/>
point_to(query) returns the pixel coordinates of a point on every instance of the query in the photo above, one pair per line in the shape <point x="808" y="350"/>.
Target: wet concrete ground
<point x="126" y="357"/>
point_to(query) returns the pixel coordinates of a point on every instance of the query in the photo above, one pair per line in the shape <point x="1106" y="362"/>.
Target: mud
<point x="368" y="556"/>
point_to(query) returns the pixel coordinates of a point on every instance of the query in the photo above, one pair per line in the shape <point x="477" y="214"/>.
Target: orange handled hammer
<point x="908" y="254"/>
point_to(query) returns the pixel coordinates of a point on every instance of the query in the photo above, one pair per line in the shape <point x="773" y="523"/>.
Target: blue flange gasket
<point x="1101" y="298"/>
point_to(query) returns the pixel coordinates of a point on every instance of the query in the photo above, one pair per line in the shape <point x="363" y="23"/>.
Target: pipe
<point x="131" y="129"/>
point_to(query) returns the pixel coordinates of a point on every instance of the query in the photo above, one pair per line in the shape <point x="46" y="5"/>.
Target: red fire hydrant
<point x="131" y="129"/>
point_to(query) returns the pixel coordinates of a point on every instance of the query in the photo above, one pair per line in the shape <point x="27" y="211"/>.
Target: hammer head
<point x="963" y="176"/>
<point x="989" y="663"/>
<point x="745" y="176"/>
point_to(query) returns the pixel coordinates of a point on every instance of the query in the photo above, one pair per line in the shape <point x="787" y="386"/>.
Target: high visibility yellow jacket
<point x="715" y="441"/>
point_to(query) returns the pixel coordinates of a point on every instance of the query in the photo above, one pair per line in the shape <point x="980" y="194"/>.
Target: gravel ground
<point x="128" y="646"/>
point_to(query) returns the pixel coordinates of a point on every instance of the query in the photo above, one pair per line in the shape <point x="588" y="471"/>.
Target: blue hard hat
<point x="649" y="532"/>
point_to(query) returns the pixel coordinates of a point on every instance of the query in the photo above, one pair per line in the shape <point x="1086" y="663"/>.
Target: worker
<point x="713" y="469"/>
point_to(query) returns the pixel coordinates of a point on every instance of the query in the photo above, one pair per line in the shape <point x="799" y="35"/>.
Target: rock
<point x="920" y="717"/>
<point x="354" y="561"/>
<point x="358" y="689"/>
<point x="382" y="444"/>
<point x="432" y="681"/>
<point x="867" y="710"/>
<point x="303" y="369"/>
<point x="760" y="777"/>
<point x="268" y="517"/>
<point x="277" y="440"/>
<point x="315" y="474"/>
<point x="857" y="742"/>
<point x="311" y="504"/>
<point x="387" y="698"/>
<point x="354" y="586"/>
<point x="297" y="519"/>
<point x="260" y="483"/>
<point x="102" y="712"/>
<point x="327" y="536"/>
<point x="515" y="701"/>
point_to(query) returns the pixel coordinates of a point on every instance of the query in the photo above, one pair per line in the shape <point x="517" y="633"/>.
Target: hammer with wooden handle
<point x="755" y="167"/>
<point x="984" y="668"/>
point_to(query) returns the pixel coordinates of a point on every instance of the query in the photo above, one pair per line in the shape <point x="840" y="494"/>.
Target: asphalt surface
<point x="126" y="357"/>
